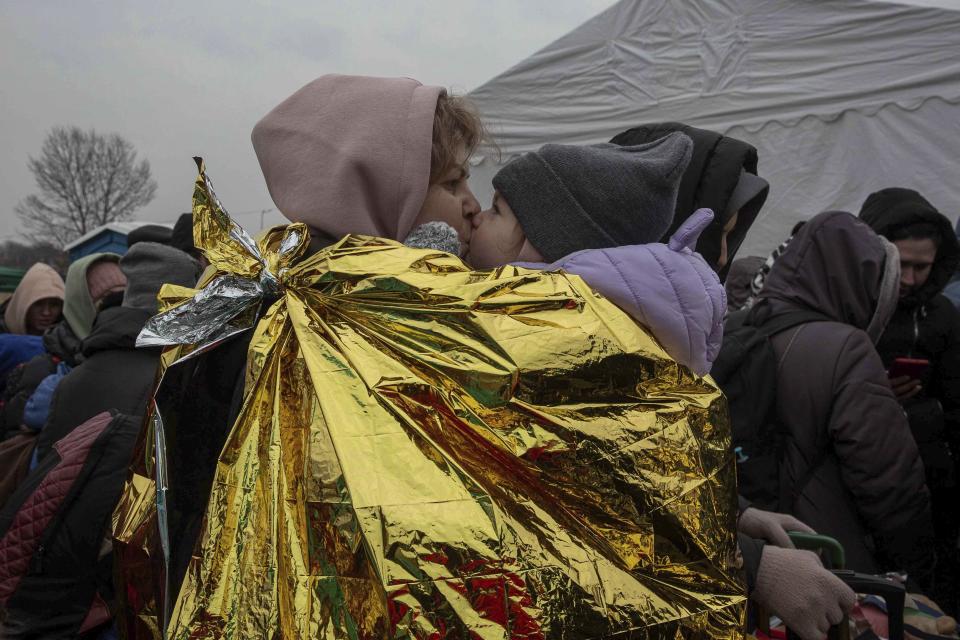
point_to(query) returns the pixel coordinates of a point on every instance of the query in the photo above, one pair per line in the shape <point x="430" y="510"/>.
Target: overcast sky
<point x="181" y="78"/>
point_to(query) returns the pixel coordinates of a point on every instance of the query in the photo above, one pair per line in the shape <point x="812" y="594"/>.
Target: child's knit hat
<point x="568" y="198"/>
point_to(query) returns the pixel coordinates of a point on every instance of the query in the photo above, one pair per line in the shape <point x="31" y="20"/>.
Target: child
<point x="599" y="212"/>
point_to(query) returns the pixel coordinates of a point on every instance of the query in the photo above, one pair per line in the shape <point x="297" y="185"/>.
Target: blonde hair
<point x="456" y="128"/>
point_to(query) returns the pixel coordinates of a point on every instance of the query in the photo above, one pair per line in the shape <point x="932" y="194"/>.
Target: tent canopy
<point x="840" y="97"/>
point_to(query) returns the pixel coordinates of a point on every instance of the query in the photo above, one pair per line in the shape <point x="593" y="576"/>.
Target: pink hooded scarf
<point x="350" y="154"/>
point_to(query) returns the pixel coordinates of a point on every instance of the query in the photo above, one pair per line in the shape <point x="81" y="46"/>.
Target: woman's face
<point x="450" y="200"/>
<point x="42" y="315"/>
<point x="497" y="236"/>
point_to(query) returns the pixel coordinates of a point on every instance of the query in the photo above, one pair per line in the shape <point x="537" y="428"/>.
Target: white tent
<point x="840" y="97"/>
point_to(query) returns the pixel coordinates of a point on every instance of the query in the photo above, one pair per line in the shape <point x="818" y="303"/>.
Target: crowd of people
<point x="860" y="435"/>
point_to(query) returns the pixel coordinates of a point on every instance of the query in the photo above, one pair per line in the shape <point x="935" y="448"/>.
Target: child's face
<point x="497" y="236"/>
<point x="450" y="200"/>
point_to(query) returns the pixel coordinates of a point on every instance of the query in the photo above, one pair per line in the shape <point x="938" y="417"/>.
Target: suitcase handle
<point x="832" y="549"/>
<point x="891" y="592"/>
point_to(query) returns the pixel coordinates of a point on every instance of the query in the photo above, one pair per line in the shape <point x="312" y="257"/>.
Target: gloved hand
<point x="770" y="526"/>
<point x="794" y="585"/>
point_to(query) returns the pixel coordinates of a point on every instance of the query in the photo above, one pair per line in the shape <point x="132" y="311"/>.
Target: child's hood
<point x="668" y="288"/>
<point x="350" y="154"/>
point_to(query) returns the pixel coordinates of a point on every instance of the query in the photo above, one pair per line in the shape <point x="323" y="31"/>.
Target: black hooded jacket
<point x="709" y="181"/>
<point x="925" y="325"/>
<point x="114" y="375"/>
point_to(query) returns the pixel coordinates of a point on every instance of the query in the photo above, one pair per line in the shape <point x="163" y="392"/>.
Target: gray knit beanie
<point x="150" y="265"/>
<point x="568" y="198"/>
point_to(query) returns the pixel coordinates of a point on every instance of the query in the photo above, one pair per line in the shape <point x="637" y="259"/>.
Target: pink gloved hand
<point x="770" y="526"/>
<point x="794" y="586"/>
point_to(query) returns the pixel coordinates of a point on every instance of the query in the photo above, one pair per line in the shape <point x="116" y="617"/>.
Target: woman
<point x="344" y="154"/>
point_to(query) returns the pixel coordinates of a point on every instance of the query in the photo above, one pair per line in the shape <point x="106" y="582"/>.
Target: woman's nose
<point x="471" y="207"/>
<point x="478" y="218"/>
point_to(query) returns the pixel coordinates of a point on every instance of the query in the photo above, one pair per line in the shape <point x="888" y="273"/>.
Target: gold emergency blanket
<point x="426" y="451"/>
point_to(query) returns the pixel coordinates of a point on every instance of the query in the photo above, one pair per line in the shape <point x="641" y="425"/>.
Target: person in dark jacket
<point x="114" y="374"/>
<point x="926" y="326"/>
<point x="721" y="176"/>
<point x="851" y="469"/>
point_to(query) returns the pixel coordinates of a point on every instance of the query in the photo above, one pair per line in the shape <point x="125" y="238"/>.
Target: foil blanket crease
<point x="426" y="451"/>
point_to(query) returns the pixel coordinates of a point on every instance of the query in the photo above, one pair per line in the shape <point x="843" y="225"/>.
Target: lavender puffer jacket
<point x="668" y="288"/>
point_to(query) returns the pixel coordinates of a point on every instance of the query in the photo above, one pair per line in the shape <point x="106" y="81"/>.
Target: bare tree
<point x="85" y="179"/>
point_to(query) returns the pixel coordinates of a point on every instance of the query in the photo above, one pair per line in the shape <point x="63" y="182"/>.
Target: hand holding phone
<point x="905" y="376"/>
<point x="913" y="368"/>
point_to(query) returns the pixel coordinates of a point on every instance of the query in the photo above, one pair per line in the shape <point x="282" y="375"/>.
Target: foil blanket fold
<point x="426" y="451"/>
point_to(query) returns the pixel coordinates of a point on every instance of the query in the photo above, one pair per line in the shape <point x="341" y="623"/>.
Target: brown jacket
<point x="851" y="468"/>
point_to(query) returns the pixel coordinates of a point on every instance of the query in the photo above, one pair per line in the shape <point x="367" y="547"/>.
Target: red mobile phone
<point x="913" y="368"/>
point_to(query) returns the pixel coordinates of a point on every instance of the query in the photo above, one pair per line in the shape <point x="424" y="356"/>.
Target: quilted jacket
<point x="668" y="288"/>
<point x="55" y="580"/>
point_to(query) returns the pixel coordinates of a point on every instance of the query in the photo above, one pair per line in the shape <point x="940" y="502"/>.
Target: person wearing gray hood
<point x="114" y="373"/>
<point x="850" y="467"/>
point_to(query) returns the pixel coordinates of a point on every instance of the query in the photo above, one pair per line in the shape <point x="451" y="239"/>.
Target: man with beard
<point x="926" y="327"/>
